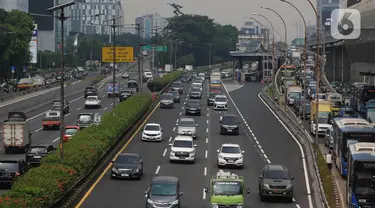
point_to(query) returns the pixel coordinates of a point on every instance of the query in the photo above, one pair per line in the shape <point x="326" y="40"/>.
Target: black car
<point x="193" y="107"/>
<point x="207" y="76"/>
<point x="229" y="124"/>
<point x="11" y="170"/>
<point x="127" y="165"/>
<point x="90" y="91"/>
<point x="185" y="79"/>
<point x="164" y="191"/>
<point x="56" y="105"/>
<point x="177" y="86"/>
<point x="211" y="98"/>
<point x="36" y="152"/>
<point x="132" y="84"/>
<point x="125" y="94"/>
<point x="176" y="96"/>
<point x="275" y="181"/>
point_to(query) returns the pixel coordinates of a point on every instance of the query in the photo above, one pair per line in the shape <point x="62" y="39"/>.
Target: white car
<point x="322" y="126"/>
<point x="93" y="102"/>
<point x="221" y="102"/>
<point x="125" y="75"/>
<point x="182" y="149"/>
<point x="152" y="132"/>
<point x="230" y="155"/>
<point x="197" y="85"/>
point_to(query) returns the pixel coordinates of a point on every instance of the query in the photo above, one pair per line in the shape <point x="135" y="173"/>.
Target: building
<point x="150" y="24"/>
<point x="324" y="9"/>
<point x="251" y="28"/>
<point x="45" y="24"/>
<point x="9" y="5"/>
<point x="90" y="17"/>
<point x="249" y="37"/>
<point x="298" y="42"/>
<point x="311" y="31"/>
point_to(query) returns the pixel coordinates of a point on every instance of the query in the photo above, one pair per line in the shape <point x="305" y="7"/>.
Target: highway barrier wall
<point x="323" y="194"/>
<point x="51" y="183"/>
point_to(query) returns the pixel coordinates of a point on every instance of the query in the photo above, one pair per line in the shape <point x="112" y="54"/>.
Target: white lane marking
<point x="205" y="171"/>
<point x="105" y="108"/>
<point x="180" y="113"/>
<point x="67" y="114"/>
<point x="56" y="139"/>
<point x="37" y="129"/>
<point x="79" y="108"/>
<point x="207" y="121"/>
<point x="174" y="128"/>
<point x="165" y="152"/>
<point x="261" y="150"/>
<point x="207" y="130"/>
<point x="177" y="121"/>
<point x="208" y="114"/>
<point x="100" y="86"/>
<point x="208" y="108"/>
<point x="75" y="99"/>
<point x="103" y="96"/>
<point x="111" y="104"/>
<point x="268" y="161"/>
<point x="205" y="154"/>
<point x="157" y="170"/>
<point x="184" y="103"/>
<point x="297" y="205"/>
<point x="206" y="140"/>
<point x="301" y="151"/>
<point x="170" y="139"/>
<point x="182" y="108"/>
<point x="204" y="194"/>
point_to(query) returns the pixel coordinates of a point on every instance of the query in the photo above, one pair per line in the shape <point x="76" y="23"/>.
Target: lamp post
<point x="273" y="50"/>
<point x="285" y="49"/>
<point x="304" y="56"/>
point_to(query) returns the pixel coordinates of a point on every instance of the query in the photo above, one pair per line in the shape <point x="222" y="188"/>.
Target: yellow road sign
<point x="123" y="54"/>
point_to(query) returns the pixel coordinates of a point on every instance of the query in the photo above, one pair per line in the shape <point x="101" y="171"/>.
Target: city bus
<point x="360" y="183"/>
<point x="345" y="132"/>
<point x="362" y="94"/>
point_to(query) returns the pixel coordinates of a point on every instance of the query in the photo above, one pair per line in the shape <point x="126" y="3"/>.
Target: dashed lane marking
<point x="206" y="140"/>
<point x="39" y="129"/>
<point x="204" y="194"/>
<point x="205" y="171"/>
<point x="165" y="152"/>
<point x="174" y="128"/>
<point x="157" y="170"/>
<point x="206" y="130"/>
<point x="56" y="139"/>
<point x="170" y="139"/>
<point x="180" y="113"/>
<point x="67" y="115"/>
<point x="205" y="154"/>
<point x="79" y="108"/>
<point x="105" y="108"/>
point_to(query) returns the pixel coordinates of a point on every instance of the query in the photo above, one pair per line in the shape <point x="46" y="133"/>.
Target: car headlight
<point x="221" y="157"/>
<point x="175" y="202"/>
<point x="136" y="171"/>
<point x="239" y="206"/>
<point x="172" y="152"/>
<point x="289" y="186"/>
<point x="114" y="170"/>
<point x="240" y="158"/>
<point x="214" y="206"/>
<point x="150" y="201"/>
<point x="266" y="186"/>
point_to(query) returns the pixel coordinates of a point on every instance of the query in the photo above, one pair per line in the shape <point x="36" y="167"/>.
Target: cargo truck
<point x="168" y="68"/>
<point x="336" y="101"/>
<point x="293" y="92"/>
<point x="325" y="108"/>
<point x="15" y="132"/>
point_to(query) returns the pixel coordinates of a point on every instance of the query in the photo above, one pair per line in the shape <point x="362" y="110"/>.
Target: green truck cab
<point x="227" y="190"/>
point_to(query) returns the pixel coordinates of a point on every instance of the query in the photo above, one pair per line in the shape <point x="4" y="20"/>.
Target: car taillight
<point x="17" y="174"/>
<point x="78" y="121"/>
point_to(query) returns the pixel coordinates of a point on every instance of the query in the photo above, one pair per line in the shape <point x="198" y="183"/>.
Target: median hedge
<point x="42" y="186"/>
<point x="159" y="83"/>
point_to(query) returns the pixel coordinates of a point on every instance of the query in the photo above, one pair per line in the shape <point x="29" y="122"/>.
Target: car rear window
<point x="85" y="118"/>
<point x="8" y="166"/>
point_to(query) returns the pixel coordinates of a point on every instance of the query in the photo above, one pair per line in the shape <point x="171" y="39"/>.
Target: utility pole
<point x="209" y="56"/>
<point x="139" y="58"/>
<point x="91" y="53"/>
<point x="170" y="53"/>
<point x="175" y="55"/>
<point x="114" y="63"/>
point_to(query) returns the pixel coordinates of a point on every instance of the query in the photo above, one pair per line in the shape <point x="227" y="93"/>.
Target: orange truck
<point x="51" y="120"/>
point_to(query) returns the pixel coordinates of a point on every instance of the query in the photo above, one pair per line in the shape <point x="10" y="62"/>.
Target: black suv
<point x="91" y="91"/>
<point x="275" y="181"/>
<point x="164" y="191"/>
<point x="36" y="152"/>
<point x="229" y="124"/>
<point x="193" y="107"/>
<point x="11" y="170"/>
<point x="56" y="105"/>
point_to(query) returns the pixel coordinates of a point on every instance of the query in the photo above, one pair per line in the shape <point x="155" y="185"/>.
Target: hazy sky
<point x="228" y="12"/>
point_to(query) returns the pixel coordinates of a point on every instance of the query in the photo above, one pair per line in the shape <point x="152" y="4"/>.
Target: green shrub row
<point x="42" y="186"/>
<point x="160" y="82"/>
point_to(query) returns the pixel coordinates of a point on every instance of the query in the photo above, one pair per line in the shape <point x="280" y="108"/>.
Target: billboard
<point x="33" y="47"/>
<point x="40" y="7"/>
<point x="326" y="17"/>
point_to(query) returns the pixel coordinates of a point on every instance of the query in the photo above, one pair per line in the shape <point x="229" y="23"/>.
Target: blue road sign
<point x="13" y="69"/>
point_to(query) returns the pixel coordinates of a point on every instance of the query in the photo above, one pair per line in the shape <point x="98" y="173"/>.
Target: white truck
<point x="215" y="75"/>
<point x="293" y="92"/>
<point x="16" y="134"/>
<point x="188" y="67"/>
<point x="168" y="68"/>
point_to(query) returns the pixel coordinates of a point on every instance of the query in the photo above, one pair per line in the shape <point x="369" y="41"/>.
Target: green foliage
<point x="160" y="82"/>
<point x="41" y="186"/>
<point x="195" y="33"/>
<point x="326" y="178"/>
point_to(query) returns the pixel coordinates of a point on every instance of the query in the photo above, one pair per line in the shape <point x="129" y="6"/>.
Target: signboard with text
<point x="123" y="54"/>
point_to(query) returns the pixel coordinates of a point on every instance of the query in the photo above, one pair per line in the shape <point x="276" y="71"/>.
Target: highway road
<point x="106" y="192"/>
<point x="76" y="106"/>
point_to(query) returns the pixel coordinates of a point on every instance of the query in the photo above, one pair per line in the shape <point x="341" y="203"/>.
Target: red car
<point x="69" y="132"/>
<point x="216" y="90"/>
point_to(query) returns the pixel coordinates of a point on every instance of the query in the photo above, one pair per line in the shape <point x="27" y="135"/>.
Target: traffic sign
<point x="158" y="48"/>
<point x="13" y="69"/>
<point x="123" y="54"/>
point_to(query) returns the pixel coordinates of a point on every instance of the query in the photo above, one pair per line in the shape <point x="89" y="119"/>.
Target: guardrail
<point x="295" y="124"/>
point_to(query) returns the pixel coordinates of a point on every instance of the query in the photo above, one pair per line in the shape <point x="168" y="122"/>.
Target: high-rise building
<point x="249" y="37"/>
<point x="150" y="24"/>
<point x="9" y="5"/>
<point x="324" y="9"/>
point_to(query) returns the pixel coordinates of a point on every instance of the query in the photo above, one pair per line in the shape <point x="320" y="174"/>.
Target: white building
<point x="249" y="37"/>
<point x="150" y="24"/>
<point x="9" y="5"/>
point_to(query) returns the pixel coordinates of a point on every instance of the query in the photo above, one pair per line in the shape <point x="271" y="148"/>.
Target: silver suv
<point x="166" y="100"/>
<point x="187" y="126"/>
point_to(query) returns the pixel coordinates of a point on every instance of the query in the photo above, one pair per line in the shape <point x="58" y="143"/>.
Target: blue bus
<point x="362" y="94"/>
<point x="360" y="183"/>
<point x="345" y="132"/>
<point x="110" y="90"/>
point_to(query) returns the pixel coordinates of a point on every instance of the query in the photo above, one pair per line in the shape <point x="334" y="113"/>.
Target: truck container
<point x="189" y="67"/>
<point x="15" y="132"/>
<point x="168" y="68"/>
<point x="324" y="108"/>
<point x="293" y="92"/>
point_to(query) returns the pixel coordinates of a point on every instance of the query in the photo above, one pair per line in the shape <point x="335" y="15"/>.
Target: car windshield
<point x="187" y="124"/>
<point x="195" y="90"/>
<point x="71" y="131"/>
<point x="295" y="94"/>
<point x="127" y="159"/>
<point x="193" y="103"/>
<point x="322" y="120"/>
<point x="212" y="95"/>
<point x="92" y="99"/>
<point x="166" y="97"/>
<point x="163" y="189"/>
<point x="229" y="120"/>
<point x="152" y="128"/>
<point x="215" y="81"/>
<point x="85" y="118"/>
<point x="227" y="188"/>
<point x="56" y="103"/>
<point x="183" y="144"/>
<point x="38" y="149"/>
<point x="276" y="174"/>
<point x="230" y="150"/>
<point x="350" y="113"/>
<point x="8" y="166"/>
<point x="176" y="84"/>
<point x="89" y="88"/>
<point x="220" y="99"/>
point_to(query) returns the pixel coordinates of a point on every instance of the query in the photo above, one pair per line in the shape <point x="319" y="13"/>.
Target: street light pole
<point x="285" y="53"/>
<point x="304" y="56"/>
<point x="209" y="56"/>
<point x="140" y="84"/>
<point x="114" y="63"/>
<point x="62" y="18"/>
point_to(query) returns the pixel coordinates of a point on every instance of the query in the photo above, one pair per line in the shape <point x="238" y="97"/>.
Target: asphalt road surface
<point x="76" y="104"/>
<point x="277" y="146"/>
